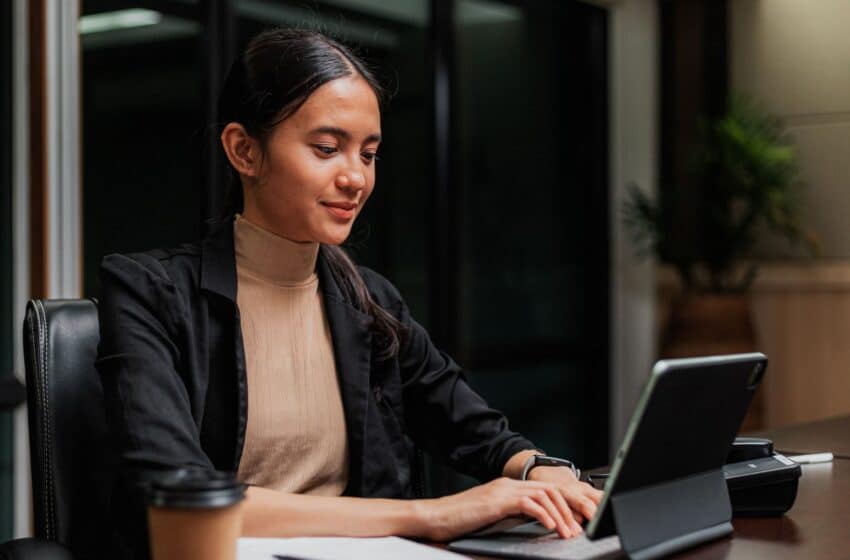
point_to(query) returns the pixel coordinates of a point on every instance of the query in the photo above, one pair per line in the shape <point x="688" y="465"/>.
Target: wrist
<point x="513" y="468"/>
<point x="422" y="519"/>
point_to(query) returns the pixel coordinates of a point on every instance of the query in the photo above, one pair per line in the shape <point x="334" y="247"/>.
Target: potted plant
<point x="750" y="182"/>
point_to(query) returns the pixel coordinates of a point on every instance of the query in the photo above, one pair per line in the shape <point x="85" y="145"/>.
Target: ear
<point x="242" y="150"/>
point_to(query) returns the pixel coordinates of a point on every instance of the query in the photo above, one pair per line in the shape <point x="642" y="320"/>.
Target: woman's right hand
<point x="458" y="514"/>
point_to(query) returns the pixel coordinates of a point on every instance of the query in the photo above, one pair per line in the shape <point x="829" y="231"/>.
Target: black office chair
<point x="72" y="463"/>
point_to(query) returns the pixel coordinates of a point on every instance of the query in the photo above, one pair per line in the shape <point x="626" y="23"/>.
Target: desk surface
<point x="818" y="526"/>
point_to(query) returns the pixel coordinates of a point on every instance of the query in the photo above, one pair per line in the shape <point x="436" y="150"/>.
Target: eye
<point x="325" y="149"/>
<point x="369" y="157"/>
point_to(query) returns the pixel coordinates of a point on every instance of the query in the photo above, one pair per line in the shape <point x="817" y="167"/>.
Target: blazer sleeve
<point x="443" y="414"/>
<point x="146" y="402"/>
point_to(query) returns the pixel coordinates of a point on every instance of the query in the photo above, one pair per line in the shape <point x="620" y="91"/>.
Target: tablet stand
<point x="658" y="520"/>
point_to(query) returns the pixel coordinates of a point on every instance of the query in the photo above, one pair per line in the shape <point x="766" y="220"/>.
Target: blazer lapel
<point x="218" y="261"/>
<point x="352" y="343"/>
<point x="226" y="408"/>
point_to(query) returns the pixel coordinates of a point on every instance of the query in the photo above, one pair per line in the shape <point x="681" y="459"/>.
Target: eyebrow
<point x="342" y="133"/>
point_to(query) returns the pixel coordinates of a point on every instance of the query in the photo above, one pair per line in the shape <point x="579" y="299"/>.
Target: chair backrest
<point x="72" y="463"/>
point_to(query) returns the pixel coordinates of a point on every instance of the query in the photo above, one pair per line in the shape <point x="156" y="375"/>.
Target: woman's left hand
<point x="582" y="498"/>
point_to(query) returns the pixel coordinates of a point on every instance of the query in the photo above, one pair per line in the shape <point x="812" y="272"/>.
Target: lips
<point x="342" y="210"/>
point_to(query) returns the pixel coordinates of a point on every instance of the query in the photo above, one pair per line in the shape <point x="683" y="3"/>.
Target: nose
<point x="351" y="180"/>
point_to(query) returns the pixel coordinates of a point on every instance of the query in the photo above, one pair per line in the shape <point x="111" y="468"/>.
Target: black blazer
<point x="172" y="362"/>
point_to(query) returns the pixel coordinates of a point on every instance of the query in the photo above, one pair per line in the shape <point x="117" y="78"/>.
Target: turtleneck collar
<point x="271" y="257"/>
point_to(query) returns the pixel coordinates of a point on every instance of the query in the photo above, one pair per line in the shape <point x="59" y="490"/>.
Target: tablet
<point x="688" y="415"/>
<point x="680" y="434"/>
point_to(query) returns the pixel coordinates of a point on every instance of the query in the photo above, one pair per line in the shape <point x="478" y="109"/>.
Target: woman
<point x="263" y="350"/>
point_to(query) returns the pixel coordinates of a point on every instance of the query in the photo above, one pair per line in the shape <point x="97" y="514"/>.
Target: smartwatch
<point x="546" y="461"/>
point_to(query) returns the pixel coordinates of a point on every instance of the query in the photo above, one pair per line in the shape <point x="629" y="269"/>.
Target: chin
<point x="333" y="237"/>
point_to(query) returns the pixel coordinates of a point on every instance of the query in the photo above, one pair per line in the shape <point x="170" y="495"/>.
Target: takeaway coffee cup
<point x="195" y="515"/>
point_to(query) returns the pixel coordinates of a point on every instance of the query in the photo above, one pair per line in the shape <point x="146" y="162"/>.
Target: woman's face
<point x="318" y="169"/>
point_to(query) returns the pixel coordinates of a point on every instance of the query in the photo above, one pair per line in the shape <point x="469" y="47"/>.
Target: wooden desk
<point x="818" y="526"/>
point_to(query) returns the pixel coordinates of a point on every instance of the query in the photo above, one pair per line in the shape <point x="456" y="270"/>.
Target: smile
<point x="341" y="210"/>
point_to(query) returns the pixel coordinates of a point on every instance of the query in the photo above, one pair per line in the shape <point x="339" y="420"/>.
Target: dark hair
<point x="274" y="76"/>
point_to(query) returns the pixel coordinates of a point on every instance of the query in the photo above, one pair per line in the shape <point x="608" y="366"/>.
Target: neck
<point x="254" y="215"/>
<point x="272" y="257"/>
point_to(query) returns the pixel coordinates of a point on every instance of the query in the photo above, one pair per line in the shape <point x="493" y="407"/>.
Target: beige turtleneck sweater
<point x="295" y="440"/>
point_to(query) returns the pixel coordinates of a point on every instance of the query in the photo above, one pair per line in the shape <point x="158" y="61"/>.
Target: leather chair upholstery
<point x="73" y="466"/>
<point x="33" y="549"/>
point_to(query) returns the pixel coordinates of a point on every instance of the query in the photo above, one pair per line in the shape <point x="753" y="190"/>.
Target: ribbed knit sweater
<point x="296" y="438"/>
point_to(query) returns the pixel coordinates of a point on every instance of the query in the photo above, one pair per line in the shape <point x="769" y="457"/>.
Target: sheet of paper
<point x="334" y="548"/>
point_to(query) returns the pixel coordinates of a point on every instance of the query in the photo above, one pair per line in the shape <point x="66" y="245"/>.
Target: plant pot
<point x="706" y="324"/>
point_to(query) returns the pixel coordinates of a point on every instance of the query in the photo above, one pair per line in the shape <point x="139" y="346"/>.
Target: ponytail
<point x="387" y="329"/>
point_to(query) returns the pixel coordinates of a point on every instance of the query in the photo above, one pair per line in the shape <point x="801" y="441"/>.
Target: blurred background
<point x="567" y="189"/>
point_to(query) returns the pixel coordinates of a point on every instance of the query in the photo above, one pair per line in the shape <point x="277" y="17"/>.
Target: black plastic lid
<point x="196" y="489"/>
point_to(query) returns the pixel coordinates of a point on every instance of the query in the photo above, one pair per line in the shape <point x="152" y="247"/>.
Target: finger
<point x="532" y="509"/>
<point x="584" y="505"/>
<point x="594" y="494"/>
<point x="542" y="497"/>
<point x="566" y="511"/>
<point x="591" y="492"/>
